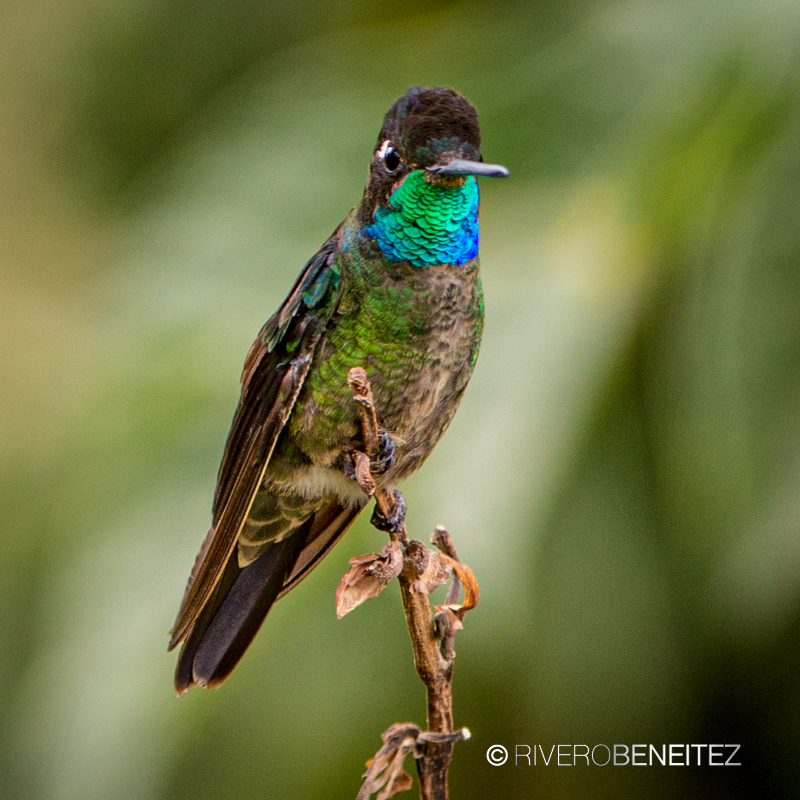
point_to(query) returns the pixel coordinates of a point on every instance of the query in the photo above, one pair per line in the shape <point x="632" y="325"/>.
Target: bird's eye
<point x="391" y="159"/>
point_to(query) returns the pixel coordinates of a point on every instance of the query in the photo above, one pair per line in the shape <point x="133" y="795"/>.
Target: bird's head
<point x="433" y="131"/>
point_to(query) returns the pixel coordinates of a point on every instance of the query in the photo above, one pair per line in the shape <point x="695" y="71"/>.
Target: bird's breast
<point x="416" y="333"/>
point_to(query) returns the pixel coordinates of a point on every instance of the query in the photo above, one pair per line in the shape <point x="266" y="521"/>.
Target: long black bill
<point x="460" y="166"/>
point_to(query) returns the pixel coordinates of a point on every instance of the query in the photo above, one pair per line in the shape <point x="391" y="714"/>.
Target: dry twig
<point x="419" y="570"/>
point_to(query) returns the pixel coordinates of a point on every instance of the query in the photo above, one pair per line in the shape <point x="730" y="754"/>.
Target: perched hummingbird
<point x="395" y="290"/>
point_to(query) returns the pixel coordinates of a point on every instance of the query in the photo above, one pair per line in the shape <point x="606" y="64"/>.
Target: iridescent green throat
<point x="428" y="222"/>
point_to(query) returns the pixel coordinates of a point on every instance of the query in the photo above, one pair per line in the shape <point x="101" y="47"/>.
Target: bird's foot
<point x="383" y="460"/>
<point x="385" y="457"/>
<point x="394" y="522"/>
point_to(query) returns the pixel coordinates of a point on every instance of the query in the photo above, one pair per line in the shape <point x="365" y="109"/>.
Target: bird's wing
<point x="274" y="372"/>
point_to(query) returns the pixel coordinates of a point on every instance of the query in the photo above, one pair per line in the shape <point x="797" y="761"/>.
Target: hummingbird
<point x="396" y="290"/>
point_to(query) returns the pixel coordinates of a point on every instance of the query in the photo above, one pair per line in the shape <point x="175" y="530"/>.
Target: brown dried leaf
<point x="367" y="577"/>
<point x="437" y="571"/>
<point x="385" y="773"/>
<point x="471" y="590"/>
<point x="398" y="780"/>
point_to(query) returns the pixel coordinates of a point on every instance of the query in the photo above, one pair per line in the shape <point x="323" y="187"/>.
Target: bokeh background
<point x="624" y="473"/>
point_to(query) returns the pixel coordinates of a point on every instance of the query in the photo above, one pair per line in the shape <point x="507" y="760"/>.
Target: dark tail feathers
<point x="230" y="620"/>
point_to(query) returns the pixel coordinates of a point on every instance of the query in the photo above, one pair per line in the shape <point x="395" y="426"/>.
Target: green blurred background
<point x="624" y="473"/>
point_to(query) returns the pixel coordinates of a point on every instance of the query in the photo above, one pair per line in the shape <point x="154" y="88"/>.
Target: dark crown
<point x="424" y="121"/>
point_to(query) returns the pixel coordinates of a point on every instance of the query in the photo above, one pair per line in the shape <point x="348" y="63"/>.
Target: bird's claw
<point x="394" y="522"/>
<point x="383" y="460"/>
<point x="385" y="457"/>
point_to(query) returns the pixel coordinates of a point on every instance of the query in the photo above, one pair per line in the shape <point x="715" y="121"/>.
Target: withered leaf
<point x="367" y="577"/>
<point x="436" y="572"/>
<point x="471" y="591"/>
<point x="386" y="773"/>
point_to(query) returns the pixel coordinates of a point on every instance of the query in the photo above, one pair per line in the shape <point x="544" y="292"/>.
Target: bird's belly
<point x="417" y="416"/>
